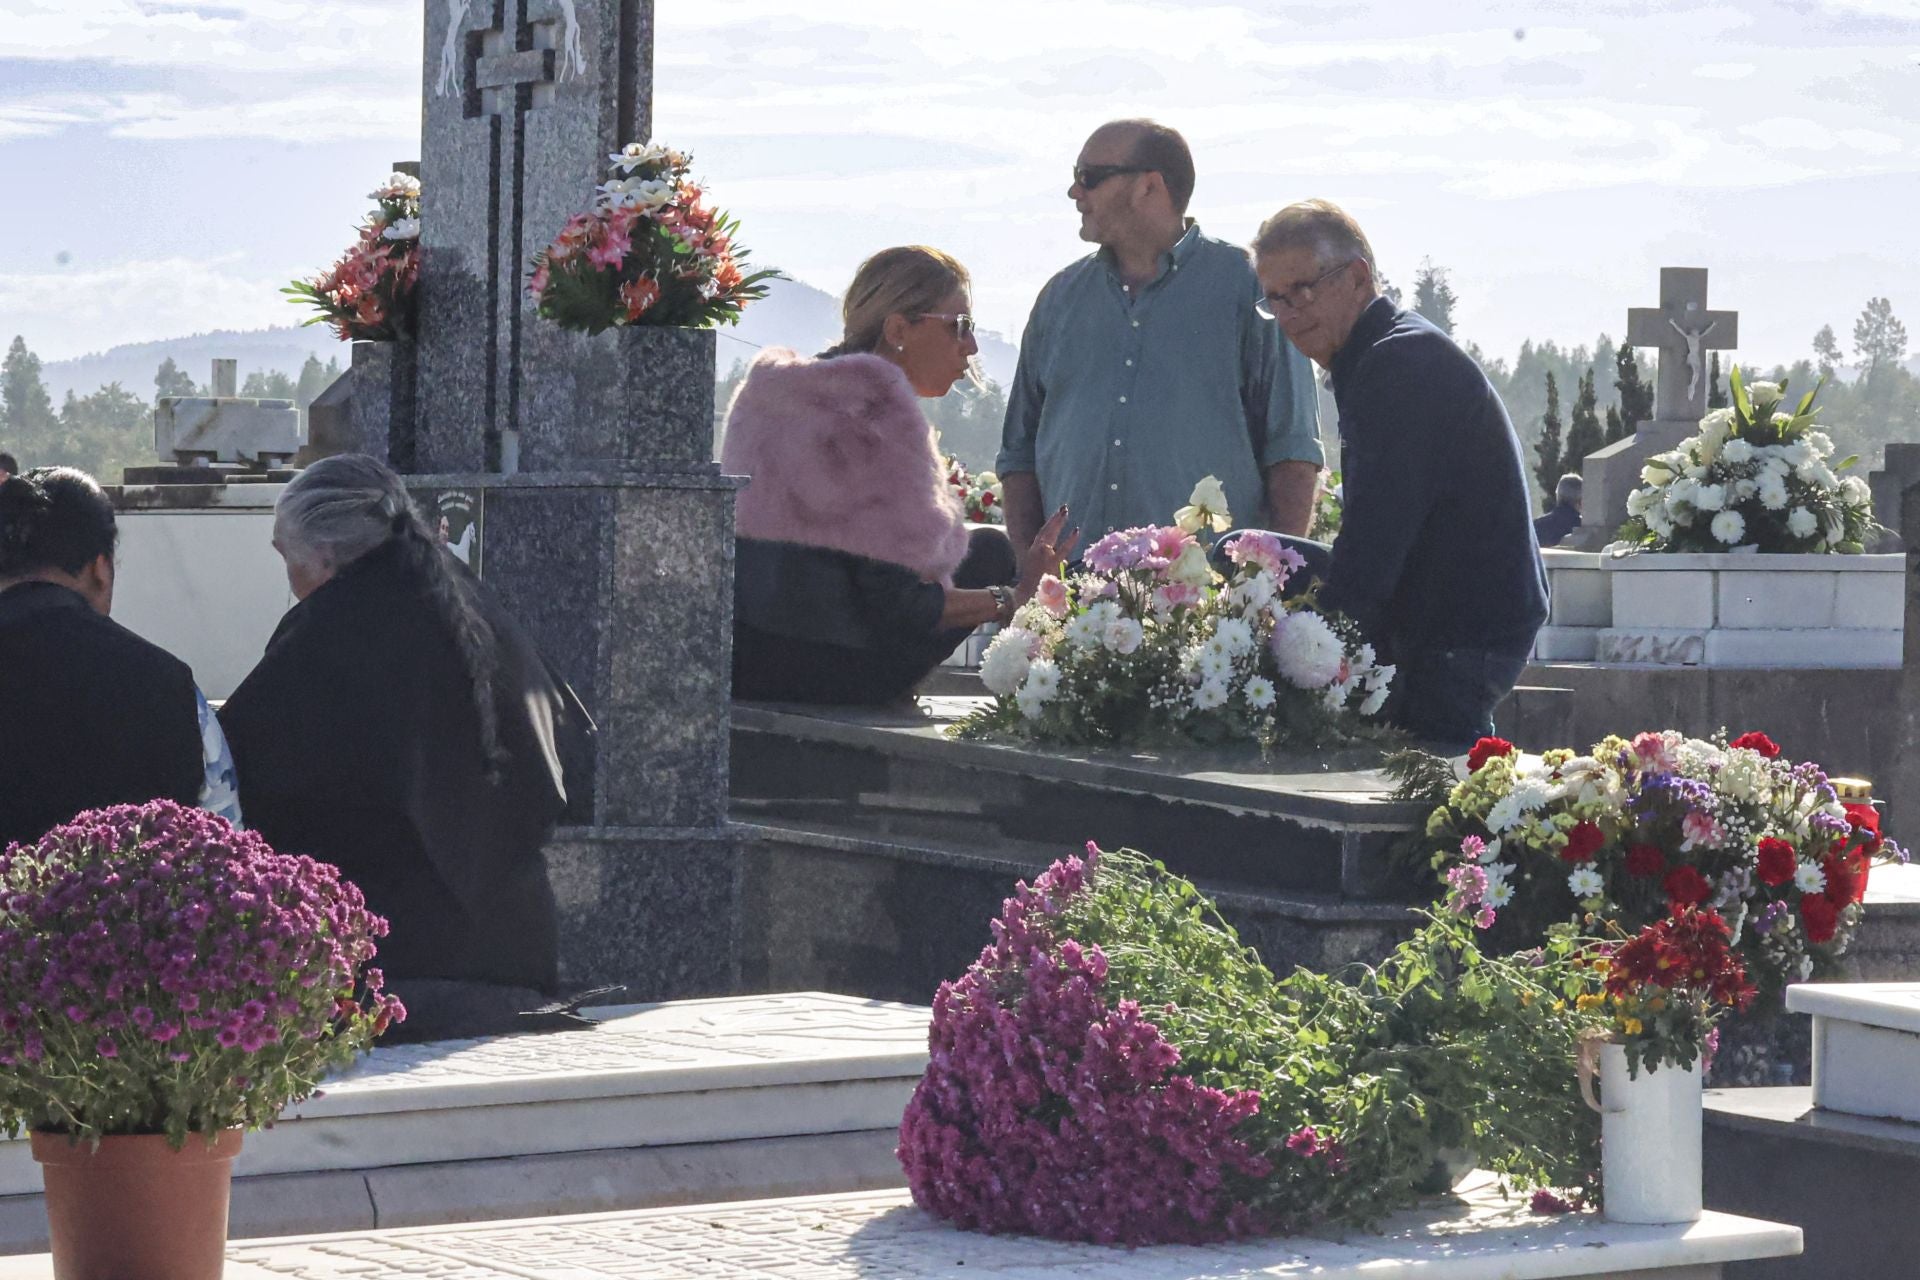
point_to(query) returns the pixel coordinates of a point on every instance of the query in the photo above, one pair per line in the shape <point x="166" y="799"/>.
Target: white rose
<point x="1729" y="527"/>
<point x="402" y="229"/>
<point x="1855" y="490"/>
<point x="1191" y="567"/>
<point x="1640" y="500"/>
<point x="1123" y="636"/>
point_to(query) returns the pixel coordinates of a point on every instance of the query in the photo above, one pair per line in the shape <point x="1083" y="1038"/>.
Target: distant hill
<point x="793" y="314"/>
<point x="133" y="365"/>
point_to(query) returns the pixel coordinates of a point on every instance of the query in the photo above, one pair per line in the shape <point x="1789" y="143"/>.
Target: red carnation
<point x="1485" y="750"/>
<point x="1645" y="860"/>
<point x="1866" y="826"/>
<point x="1758" y="742"/>
<point x="1582" y="843"/>
<point x="1777" y="861"/>
<point x="1685" y="887"/>
<point x="1821" y="917"/>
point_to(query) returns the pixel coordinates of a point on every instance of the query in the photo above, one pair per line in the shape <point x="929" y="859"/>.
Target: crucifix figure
<point x="1683" y="330"/>
<point x="1693" y="354"/>
<point x="525" y="100"/>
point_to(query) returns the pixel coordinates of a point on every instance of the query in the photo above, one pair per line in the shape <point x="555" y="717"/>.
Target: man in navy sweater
<point x="1436" y="558"/>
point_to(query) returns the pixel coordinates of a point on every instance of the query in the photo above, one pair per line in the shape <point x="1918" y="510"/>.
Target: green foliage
<point x="1433" y="295"/>
<point x="269" y="384"/>
<point x="1547" y="463"/>
<point x="26" y="411"/>
<point x="1716" y="394"/>
<point x="101" y="434"/>
<point x="1583" y="425"/>
<point x="1438" y="1047"/>
<point x="1327" y="508"/>
<point x="171" y="380"/>
<point x="1879" y="339"/>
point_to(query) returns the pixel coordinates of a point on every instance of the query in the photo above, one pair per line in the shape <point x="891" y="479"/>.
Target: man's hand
<point x="1020" y="498"/>
<point x="1291" y="488"/>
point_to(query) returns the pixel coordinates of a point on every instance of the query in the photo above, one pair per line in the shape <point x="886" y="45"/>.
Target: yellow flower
<point x="1631" y="1026"/>
<point x="1588" y="1001"/>
<point x="1559" y="1006"/>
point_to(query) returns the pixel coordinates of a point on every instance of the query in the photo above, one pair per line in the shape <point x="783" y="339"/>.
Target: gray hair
<point x="344" y="507"/>
<point x="1321" y="225"/>
<point x="1569" y="488"/>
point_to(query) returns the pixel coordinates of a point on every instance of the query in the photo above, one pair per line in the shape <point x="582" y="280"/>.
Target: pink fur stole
<point x="840" y="456"/>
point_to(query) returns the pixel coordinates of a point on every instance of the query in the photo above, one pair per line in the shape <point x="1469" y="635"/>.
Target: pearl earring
<point x="899" y="346"/>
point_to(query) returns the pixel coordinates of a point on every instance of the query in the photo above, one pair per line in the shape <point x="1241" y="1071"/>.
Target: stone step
<point x="658" y="1104"/>
<point x="1302" y="825"/>
<point x="834" y="906"/>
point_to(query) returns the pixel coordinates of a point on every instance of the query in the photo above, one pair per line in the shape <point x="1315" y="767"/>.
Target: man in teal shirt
<point x="1144" y="366"/>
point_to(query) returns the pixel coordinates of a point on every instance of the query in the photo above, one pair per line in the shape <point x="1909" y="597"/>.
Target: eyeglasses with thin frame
<point x="1299" y="297"/>
<point x="1089" y="176"/>
<point x="963" y="324"/>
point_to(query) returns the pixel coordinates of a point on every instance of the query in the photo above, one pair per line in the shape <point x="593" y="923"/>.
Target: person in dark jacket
<point x="1436" y="559"/>
<point x="90" y="714"/>
<point x="855" y="574"/>
<point x="1552" y="528"/>
<point x="402" y="727"/>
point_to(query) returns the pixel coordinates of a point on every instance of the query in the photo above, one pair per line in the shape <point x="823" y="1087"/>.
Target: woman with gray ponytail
<point x="403" y="727"/>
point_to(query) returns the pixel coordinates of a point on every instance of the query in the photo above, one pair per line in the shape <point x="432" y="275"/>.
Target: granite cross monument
<point x="1683" y="330"/>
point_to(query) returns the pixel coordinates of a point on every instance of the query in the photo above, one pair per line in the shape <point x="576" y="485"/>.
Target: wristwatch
<point x="1003" y="602"/>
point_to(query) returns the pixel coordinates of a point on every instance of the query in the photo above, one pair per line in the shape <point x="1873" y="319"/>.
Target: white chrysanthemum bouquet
<point x="1150" y="643"/>
<point x="1754" y="477"/>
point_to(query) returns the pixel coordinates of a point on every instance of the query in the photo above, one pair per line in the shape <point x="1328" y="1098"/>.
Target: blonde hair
<point x="904" y="280"/>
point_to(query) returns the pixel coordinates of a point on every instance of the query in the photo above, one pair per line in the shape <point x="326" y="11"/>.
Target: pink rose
<point x="1052" y="595"/>
<point x="1175" y="594"/>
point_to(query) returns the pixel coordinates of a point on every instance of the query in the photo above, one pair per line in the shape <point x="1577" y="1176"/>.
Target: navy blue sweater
<point x="1436" y="547"/>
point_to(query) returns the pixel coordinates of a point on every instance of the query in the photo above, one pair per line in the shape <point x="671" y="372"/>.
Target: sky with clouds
<point x="165" y="165"/>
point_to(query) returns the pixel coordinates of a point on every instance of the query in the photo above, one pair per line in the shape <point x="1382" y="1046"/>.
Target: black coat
<point x="1436" y="547"/>
<point x="90" y="714"/>
<point x="357" y="741"/>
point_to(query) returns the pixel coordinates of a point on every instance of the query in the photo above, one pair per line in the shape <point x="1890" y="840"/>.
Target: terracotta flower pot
<point x="135" y="1207"/>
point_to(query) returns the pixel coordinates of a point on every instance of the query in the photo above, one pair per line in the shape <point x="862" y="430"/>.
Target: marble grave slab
<point x="882" y="1235"/>
<point x="683" y="1072"/>
<point x="1866" y="1046"/>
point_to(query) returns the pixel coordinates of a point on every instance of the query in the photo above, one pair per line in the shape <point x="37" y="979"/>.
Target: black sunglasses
<point x="1089" y="176"/>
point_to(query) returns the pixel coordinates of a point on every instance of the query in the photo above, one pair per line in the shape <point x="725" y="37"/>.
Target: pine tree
<point x="1583" y="425"/>
<point x="1716" y="394"/>
<point x="268" y="384"/>
<point x="172" y="380"/>
<point x="1616" y="427"/>
<point x="1433" y="296"/>
<point x="1636" y="397"/>
<point x="26" y="410"/>
<point x="1879" y="339"/>
<point x="1547" y="468"/>
<point x="1826" y="350"/>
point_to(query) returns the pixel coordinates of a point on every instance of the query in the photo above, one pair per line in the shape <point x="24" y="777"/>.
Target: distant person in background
<point x="1552" y="528"/>
<point x="855" y="573"/>
<point x="90" y="714"/>
<point x="9" y="467"/>
<point x="402" y="727"/>
<point x="1144" y="369"/>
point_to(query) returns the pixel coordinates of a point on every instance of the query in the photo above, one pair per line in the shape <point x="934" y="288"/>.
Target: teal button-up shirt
<point x="1120" y="405"/>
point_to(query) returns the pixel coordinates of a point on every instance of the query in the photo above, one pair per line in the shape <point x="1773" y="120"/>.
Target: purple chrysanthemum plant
<point x="164" y="972"/>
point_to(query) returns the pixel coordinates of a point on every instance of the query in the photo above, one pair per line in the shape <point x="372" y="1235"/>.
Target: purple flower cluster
<point x="155" y="934"/>
<point x="1141" y="548"/>
<point x="1046" y="1110"/>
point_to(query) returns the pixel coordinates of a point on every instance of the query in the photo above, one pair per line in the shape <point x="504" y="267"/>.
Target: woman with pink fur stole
<point x="855" y="574"/>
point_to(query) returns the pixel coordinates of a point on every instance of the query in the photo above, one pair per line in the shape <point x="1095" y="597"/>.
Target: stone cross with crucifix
<point x="1684" y="331"/>
<point x="524" y="102"/>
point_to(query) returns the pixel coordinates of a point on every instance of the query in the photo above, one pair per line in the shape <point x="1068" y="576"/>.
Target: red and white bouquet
<point x="1643" y="830"/>
<point x="369" y="293"/>
<point x="979" y="492"/>
<point x="650" y="251"/>
<point x="1151" y="643"/>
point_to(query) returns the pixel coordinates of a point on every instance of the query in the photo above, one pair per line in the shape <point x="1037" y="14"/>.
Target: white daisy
<point x="1211" y="695"/>
<point x="1810" y="878"/>
<point x="1586" y="883"/>
<point x="1259" y="693"/>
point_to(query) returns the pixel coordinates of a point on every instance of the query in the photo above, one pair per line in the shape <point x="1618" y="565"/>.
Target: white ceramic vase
<point x="1650" y="1129"/>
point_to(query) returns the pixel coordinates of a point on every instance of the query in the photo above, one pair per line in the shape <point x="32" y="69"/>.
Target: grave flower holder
<point x="628" y="398"/>
<point x="1650" y="1127"/>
